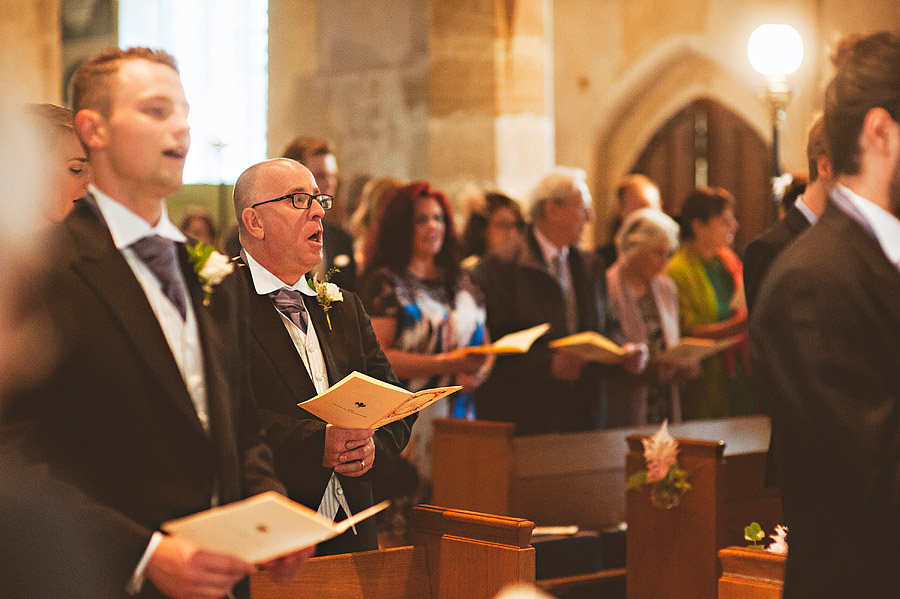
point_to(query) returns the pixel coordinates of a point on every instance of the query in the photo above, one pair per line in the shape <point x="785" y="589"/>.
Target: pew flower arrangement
<point x="754" y="533"/>
<point x="668" y="479"/>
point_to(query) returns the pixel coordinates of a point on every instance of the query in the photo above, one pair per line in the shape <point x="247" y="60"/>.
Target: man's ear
<point x="879" y="131"/>
<point x="252" y="223"/>
<point x="823" y="165"/>
<point x="91" y="128"/>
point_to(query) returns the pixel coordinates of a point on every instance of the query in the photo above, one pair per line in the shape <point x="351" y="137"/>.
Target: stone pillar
<point x="489" y="104"/>
<point x="30" y="64"/>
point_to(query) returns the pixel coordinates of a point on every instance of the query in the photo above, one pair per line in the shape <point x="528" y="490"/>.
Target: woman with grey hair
<point x="644" y="300"/>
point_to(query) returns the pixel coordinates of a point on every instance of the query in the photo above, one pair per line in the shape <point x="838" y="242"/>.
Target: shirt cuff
<point x="137" y="579"/>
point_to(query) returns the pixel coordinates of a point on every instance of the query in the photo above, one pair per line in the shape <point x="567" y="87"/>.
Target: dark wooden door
<point x="707" y="144"/>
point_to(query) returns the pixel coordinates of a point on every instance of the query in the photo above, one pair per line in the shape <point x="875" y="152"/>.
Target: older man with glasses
<point x="297" y="353"/>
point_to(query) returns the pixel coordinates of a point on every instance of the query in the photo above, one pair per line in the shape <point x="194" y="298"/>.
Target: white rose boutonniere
<point x="326" y="293"/>
<point x="210" y="266"/>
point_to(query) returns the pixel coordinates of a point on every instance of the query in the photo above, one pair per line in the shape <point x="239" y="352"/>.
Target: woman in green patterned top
<point x="707" y="274"/>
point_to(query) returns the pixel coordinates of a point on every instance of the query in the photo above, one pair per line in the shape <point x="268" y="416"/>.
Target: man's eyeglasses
<point x="302" y="201"/>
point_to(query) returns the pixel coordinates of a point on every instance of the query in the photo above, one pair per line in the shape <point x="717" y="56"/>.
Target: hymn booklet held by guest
<point x="591" y="346"/>
<point x="513" y="343"/>
<point x="691" y="350"/>
<point x="360" y="401"/>
<point x="261" y="528"/>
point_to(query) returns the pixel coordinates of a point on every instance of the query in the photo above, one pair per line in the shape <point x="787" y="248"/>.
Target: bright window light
<point x="775" y="50"/>
<point x="222" y="52"/>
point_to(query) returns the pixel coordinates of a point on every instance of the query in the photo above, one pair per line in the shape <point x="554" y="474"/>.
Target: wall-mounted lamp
<point x="776" y="51"/>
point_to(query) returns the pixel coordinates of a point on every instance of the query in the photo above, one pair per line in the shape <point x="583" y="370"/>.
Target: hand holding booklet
<point x="513" y="343"/>
<point x="360" y="401"/>
<point x="261" y="528"/>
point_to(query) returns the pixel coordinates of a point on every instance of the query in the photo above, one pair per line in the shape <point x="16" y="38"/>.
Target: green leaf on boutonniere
<point x="199" y="254"/>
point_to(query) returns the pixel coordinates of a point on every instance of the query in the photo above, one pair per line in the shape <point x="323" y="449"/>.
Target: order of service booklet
<point x="691" y="350"/>
<point x="360" y="401"/>
<point x="591" y="346"/>
<point x="513" y="343"/>
<point x="261" y="528"/>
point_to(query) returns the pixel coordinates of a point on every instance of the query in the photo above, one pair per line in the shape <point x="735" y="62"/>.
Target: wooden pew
<point x="579" y="478"/>
<point x="455" y="555"/>
<point x="677" y="549"/>
<point x="750" y="574"/>
<point x="559" y="479"/>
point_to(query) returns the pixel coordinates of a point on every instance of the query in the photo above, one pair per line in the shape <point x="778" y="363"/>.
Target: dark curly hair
<point x="390" y="244"/>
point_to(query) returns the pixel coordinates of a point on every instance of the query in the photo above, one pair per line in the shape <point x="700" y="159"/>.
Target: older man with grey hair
<point x="546" y="278"/>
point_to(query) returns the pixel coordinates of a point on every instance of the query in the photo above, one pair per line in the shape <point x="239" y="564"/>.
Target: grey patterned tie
<point x="159" y="254"/>
<point x="560" y="272"/>
<point x="290" y="303"/>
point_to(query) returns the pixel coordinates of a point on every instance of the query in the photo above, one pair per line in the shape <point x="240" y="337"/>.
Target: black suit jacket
<point x="520" y="292"/>
<point x="825" y="351"/>
<point x="760" y="254"/>
<point x="113" y="423"/>
<point x="281" y="381"/>
<point x="758" y="259"/>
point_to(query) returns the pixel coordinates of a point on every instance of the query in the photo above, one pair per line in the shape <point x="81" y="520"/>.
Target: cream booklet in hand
<point x="261" y="528"/>
<point x="691" y="350"/>
<point x="513" y="343"/>
<point x="591" y="346"/>
<point x="360" y="401"/>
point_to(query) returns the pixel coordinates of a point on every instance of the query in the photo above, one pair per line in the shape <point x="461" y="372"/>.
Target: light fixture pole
<point x="776" y="51"/>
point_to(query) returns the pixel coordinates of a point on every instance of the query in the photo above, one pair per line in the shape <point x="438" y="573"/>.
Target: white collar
<point x="885" y="225"/>
<point x="265" y="282"/>
<point x="805" y="211"/>
<point x="126" y="227"/>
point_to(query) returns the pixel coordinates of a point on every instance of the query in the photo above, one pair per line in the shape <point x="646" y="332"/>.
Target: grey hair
<point x="644" y="226"/>
<point x="557" y="186"/>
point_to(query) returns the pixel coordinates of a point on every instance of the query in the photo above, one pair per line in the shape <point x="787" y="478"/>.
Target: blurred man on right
<point x="826" y="346"/>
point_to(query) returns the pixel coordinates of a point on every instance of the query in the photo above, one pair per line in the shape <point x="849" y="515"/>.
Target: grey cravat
<point x="290" y="303"/>
<point x="159" y="254"/>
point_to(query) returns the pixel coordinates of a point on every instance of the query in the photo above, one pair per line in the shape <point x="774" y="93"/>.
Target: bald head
<point x="636" y="192"/>
<point x="248" y="189"/>
<point x="284" y="239"/>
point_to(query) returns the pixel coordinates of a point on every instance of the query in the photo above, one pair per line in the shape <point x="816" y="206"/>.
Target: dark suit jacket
<point x="520" y="292"/>
<point x="281" y="381"/>
<point x="337" y="242"/>
<point x="758" y="259"/>
<point x="760" y="254"/>
<point x="113" y="423"/>
<point x="825" y="351"/>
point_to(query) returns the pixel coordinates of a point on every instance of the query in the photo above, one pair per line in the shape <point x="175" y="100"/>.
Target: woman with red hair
<point x="425" y="310"/>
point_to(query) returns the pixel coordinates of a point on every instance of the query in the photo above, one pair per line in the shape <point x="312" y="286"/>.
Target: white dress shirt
<point x="182" y="336"/>
<point x="557" y="260"/>
<point x="805" y="211"/>
<point x="885" y="226"/>
<point x="307" y="344"/>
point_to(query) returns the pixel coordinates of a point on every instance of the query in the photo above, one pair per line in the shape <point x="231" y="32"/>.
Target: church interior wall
<point x="411" y="88"/>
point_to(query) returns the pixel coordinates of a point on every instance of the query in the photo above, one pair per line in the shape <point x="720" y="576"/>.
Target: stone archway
<point x="669" y="78"/>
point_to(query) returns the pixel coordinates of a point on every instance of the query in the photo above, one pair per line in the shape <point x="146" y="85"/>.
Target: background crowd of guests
<point x="153" y="404"/>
